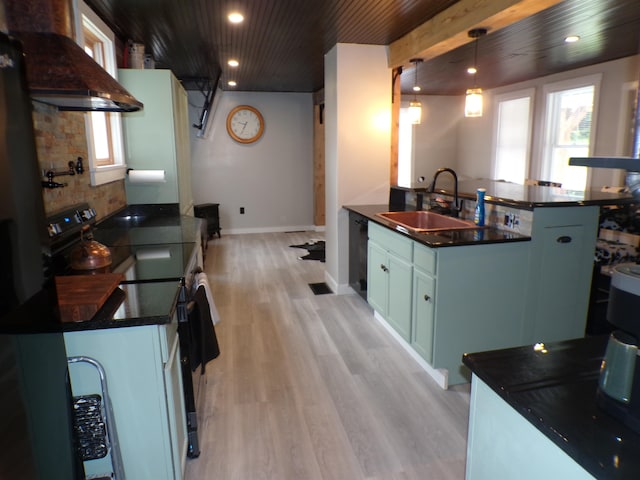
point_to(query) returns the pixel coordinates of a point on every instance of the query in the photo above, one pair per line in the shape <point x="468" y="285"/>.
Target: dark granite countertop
<point x="446" y="238"/>
<point x="134" y="305"/>
<point x="523" y="196"/>
<point x="554" y="388"/>
<point x="150" y="291"/>
<point x="117" y="231"/>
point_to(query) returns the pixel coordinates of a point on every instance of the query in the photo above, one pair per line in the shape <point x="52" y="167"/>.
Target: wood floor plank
<point x="312" y="387"/>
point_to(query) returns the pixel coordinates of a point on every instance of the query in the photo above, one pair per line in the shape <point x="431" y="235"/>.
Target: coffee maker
<point x="619" y="384"/>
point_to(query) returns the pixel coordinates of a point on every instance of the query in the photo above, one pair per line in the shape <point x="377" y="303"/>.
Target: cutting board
<point x="81" y="296"/>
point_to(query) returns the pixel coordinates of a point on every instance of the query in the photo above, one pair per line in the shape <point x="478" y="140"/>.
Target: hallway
<point x="311" y="386"/>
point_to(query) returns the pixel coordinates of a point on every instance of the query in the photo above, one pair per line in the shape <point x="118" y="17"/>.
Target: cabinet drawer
<point x="391" y="241"/>
<point x="424" y="258"/>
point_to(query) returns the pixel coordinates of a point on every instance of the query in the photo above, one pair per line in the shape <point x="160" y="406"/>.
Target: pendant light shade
<point x="415" y="107"/>
<point x="473" y="100"/>
<point x="415" y="112"/>
<point x="473" y="103"/>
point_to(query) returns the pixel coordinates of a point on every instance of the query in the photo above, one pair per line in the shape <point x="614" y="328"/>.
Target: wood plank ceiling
<point x="281" y="44"/>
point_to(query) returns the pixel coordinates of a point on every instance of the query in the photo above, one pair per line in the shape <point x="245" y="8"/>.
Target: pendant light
<point x="415" y="107"/>
<point x="473" y="100"/>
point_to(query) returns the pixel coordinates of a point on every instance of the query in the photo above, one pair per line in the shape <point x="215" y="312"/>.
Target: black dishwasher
<point x="358" y="238"/>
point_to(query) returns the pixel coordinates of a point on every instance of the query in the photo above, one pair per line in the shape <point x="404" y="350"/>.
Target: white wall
<point x="357" y="144"/>
<point x="474" y="136"/>
<point x="272" y="178"/>
<point x="435" y="140"/>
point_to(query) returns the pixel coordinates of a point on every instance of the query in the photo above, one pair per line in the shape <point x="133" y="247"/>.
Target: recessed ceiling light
<point x="572" y="39"/>
<point x="416" y="88"/>
<point x="472" y="70"/>
<point x="235" y="17"/>
<point x="232" y="83"/>
<point x="233" y="63"/>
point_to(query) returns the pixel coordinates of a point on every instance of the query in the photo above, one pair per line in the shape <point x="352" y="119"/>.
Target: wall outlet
<point x="241" y="210"/>
<point x="511" y="220"/>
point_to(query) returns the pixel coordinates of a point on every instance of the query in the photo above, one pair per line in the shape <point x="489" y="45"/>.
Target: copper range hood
<point x="59" y="72"/>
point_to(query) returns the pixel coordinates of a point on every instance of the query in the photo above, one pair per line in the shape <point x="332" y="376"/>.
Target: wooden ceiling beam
<point x="448" y="30"/>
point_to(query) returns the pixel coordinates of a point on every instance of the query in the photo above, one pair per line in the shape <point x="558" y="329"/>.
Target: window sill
<point x="107" y="174"/>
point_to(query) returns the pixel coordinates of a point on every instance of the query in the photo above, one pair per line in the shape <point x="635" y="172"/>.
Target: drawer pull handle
<point x="427" y="298"/>
<point x="564" y="239"/>
<point x="384" y="269"/>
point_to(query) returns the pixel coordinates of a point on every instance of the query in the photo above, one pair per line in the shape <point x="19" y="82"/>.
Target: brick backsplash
<point x="60" y="138"/>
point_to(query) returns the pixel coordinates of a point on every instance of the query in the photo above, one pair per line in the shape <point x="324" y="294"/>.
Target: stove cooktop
<point x="148" y="263"/>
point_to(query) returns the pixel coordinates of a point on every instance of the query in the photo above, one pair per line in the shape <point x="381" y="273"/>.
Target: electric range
<point x="142" y="254"/>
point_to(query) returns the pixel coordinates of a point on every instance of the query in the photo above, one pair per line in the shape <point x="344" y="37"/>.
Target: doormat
<point x="320" y="288"/>
<point x="316" y="250"/>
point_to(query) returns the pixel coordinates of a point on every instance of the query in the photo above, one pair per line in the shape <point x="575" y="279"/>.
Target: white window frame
<point x="504" y="97"/>
<point x="594" y="80"/>
<point x="102" y="174"/>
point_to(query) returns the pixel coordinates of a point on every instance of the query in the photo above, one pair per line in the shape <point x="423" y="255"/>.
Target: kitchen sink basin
<point x="425" y="221"/>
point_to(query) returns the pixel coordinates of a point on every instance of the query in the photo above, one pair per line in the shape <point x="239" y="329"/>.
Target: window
<point x="513" y="136"/>
<point x="104" y="129"/>
<point x="568" y="130"/>
<point x="564" y="129"/>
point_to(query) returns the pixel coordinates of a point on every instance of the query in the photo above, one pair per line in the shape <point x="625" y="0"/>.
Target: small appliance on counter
<point x="619" y="385"/>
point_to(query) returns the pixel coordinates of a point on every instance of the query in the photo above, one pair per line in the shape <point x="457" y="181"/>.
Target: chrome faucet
<point x="454" y="210"/>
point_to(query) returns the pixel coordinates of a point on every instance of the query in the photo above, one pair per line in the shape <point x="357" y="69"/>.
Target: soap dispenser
<point x="479" y="215"/>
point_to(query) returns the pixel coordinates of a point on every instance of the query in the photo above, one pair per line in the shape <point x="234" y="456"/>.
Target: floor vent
<point x="320" y="288"/>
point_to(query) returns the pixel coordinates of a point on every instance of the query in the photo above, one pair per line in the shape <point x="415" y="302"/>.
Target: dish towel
<point x="202" y="281"/>
<point x="203" y="342"/>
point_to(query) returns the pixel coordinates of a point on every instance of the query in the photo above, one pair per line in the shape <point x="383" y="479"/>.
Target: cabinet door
<point x="150" y="134"/>
<point x="423" y="314"/>
<point x="563" y="303"/>
<point x="133" y="359"/>
<point x="176" y="409"/>
<point x="400" y="293"/>
<point x="377" y="278"/>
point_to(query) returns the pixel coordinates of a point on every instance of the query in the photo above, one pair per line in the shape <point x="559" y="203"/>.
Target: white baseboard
<point x="338" y="289"/>
<point x="296" y="228"/>
<point x="440" y="375"/>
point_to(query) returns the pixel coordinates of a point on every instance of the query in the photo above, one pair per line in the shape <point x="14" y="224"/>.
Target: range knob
<point x="54" y="229"/>
<point x="88" y="214"/>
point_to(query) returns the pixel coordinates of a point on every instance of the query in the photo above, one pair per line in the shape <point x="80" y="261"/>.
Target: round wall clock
<point x="245" y="124"/>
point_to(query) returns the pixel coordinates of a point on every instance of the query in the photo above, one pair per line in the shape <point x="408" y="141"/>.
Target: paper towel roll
<point x="147" y="176"/>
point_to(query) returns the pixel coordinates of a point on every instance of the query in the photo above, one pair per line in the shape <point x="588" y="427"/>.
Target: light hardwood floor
<point x="312" y="386"/>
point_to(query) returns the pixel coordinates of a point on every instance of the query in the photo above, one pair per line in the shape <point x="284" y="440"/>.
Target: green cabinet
<point x="377" y="278"/>
<point x="480" y="302"/>
<point x="390" y="277"/>
<point x="444" y="302"/>
<point x="400" y="289"/>
<point x="560" y="271"/>
<point x="157" y="138"/>
<point x="142" y="365"/>
<point x="424" y="297"/>
<point x="503" y="444"/>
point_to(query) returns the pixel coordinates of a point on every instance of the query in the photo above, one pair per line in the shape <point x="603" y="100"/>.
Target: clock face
<point x="245" y="124"/>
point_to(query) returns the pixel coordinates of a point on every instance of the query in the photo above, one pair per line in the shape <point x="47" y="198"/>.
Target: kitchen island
<point x="533" y="414"/>
<point x="525" y="278"/>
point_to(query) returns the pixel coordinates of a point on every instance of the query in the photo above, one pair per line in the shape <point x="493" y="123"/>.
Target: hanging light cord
<point x="416" y="62"/>
<point x="475" y="63"/>
<point x="476" y="33"/>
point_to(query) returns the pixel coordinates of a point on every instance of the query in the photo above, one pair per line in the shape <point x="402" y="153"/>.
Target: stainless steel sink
<point x="425" y="221"/>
